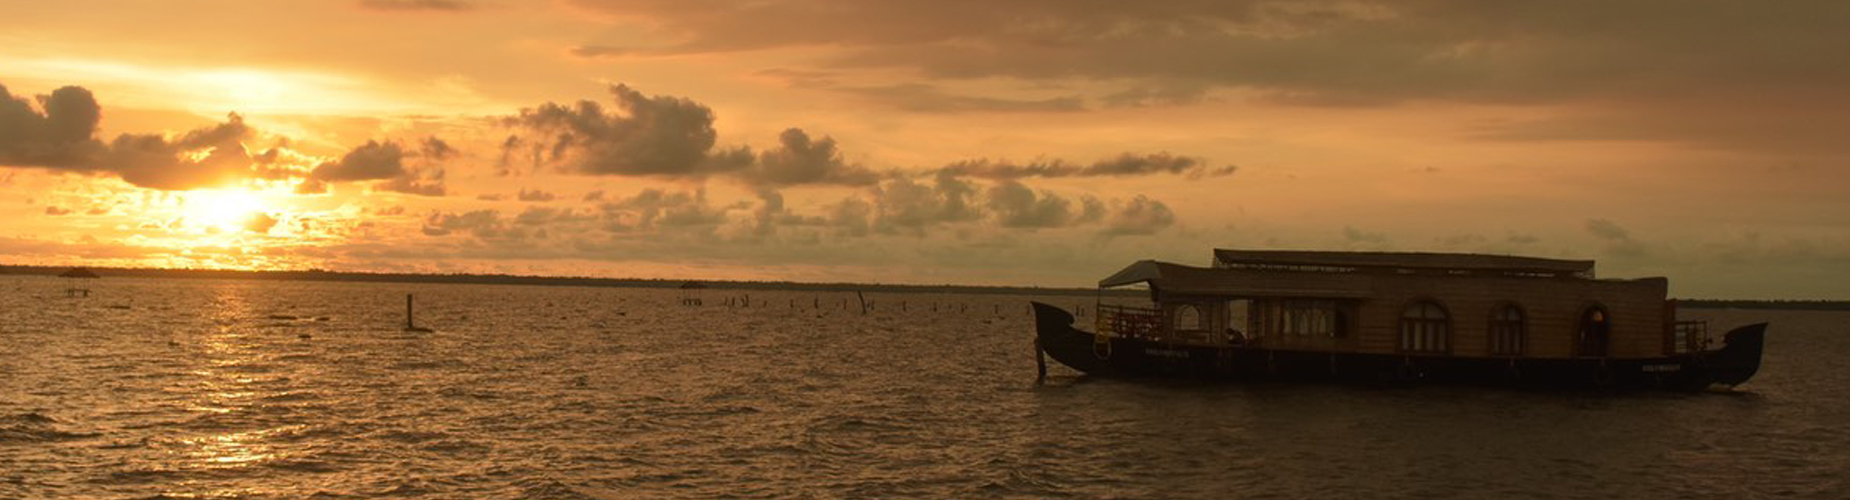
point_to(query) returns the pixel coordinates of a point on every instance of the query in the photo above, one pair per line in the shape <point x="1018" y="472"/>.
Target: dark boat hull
<point x="1129" y="357"/>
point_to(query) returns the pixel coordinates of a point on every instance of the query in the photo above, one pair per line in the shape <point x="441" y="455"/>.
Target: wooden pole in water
<point x="1040" y="362"/>
<point x="408" y="323"/>
<point x="862" y="298"/>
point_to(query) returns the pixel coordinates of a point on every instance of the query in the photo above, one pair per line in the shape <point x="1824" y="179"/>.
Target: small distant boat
<point x="80" y="273"/>
<point x="1398" y="317"/>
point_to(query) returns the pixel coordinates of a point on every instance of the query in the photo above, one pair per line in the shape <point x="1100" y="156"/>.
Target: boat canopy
<point x="1170" y="278"/>
<point x="1354" y="261"/>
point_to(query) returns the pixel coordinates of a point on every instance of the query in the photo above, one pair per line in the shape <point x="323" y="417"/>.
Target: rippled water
<point x="215" y="388"/>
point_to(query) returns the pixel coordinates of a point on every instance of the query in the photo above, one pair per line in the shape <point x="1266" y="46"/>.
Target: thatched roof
<point x="79" y="272"/>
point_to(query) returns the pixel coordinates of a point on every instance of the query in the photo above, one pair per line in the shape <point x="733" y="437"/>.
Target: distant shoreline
<point x="507" y="279"/>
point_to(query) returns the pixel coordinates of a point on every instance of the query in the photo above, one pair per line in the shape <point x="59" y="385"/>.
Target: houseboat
<point x="1397" y="317"/>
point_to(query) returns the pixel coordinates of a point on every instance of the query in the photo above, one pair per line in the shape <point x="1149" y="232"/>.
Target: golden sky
<point x="1043" y="142"/>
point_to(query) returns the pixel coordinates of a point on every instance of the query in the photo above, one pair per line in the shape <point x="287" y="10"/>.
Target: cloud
<point x="904" y="205"/>
<point x="437" y="149"/>
<point x="58" y="137"/>
<point x="652" y="208"/>
<point x="371" y="161"/>
<point x="800" y="160"/>
<point x="418" y="5"/>
<point x="593" y="51"/>
<point x="852" y="217"/>
<point x="1016" y="206"/>
<point x="1353" y="235"/>
<point x="1607" y="230"/>
<point x="643" y="136"/>
<point x="421" y="182"/>
<point x="1157" y="95"/>
<point x="1139" y="216"/>
<point x="1716" y="73"/>
<point x="535" y="195"/>
<point x="385" y="161"/>
<point x="260" y="223"/>
<point x="53" y="210"/>
<point x="154" y="161"/>
<point x="925" y="98"/>
<point x="1126" y="164"/>
<point x="481" y="223"/>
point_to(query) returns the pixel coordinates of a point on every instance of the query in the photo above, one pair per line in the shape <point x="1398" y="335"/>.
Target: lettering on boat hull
<point x="1166" y="353"/>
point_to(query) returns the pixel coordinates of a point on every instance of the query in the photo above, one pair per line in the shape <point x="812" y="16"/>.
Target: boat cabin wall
<point x="1552" y="312"/>
<point x="1296" y="324"/>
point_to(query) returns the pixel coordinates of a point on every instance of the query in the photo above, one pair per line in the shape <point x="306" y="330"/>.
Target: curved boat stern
<point x="1055" y="335"/>
<point x="1739" y="357"/>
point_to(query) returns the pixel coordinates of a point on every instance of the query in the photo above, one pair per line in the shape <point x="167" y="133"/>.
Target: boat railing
<point x="1689" y="336"/>
<point x="1129" y="321"/>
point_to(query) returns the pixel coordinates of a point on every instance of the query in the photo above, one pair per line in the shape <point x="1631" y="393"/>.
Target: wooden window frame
<point x="1501" y="327"/>
<point x="1413" y="330"/>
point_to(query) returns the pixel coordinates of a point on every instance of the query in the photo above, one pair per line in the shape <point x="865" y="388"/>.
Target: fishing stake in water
<point x="411" y="326"/>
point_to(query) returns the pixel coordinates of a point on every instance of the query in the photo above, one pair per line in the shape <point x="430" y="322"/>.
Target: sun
<point x="226" y="210"/>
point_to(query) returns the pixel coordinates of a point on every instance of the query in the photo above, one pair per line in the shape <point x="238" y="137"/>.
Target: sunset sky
<point x="1034" y="142"/>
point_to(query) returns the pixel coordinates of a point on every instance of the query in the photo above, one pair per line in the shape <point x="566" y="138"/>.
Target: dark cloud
<point x="1715" y="72"/>
<point x="53" y="210"/>
<point x="597" y="195"/>
<point x="421" y="182"/>
<point x="1126" y="164"/>
<point x="385" y="162"/>
<point x="643" y="135"/>
<point x="800" y="160"/>
<point x="482" y="223"/>
<point x="1016" y="206"/>
<point x="535" y="195"/>
<point x="1139" y="216"/>
<point x="418" y="5"/>
<point x="371" y="161"/>
<point x="58" y="137"/>
<point x="771" y="214"/>
<point x="904" y="205"/>
<point x="437" y="149"/>
<point x="158" y="162"/>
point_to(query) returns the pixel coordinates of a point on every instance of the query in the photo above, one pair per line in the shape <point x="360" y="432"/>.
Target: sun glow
<point x="226" y="210"/>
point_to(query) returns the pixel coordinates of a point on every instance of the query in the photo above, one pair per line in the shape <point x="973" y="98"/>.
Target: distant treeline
<point x="507" y="279"/>
<point x="1801" y="305"/>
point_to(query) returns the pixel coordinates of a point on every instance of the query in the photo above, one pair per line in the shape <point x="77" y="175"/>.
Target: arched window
<point x="1424" y="327"/>
<point x="1188" y="318"/>
<point x="1506" y="330"/>
<point x="1595" y="332"/>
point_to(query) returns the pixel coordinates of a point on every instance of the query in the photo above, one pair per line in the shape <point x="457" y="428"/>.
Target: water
<point x="208" y="389"/>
